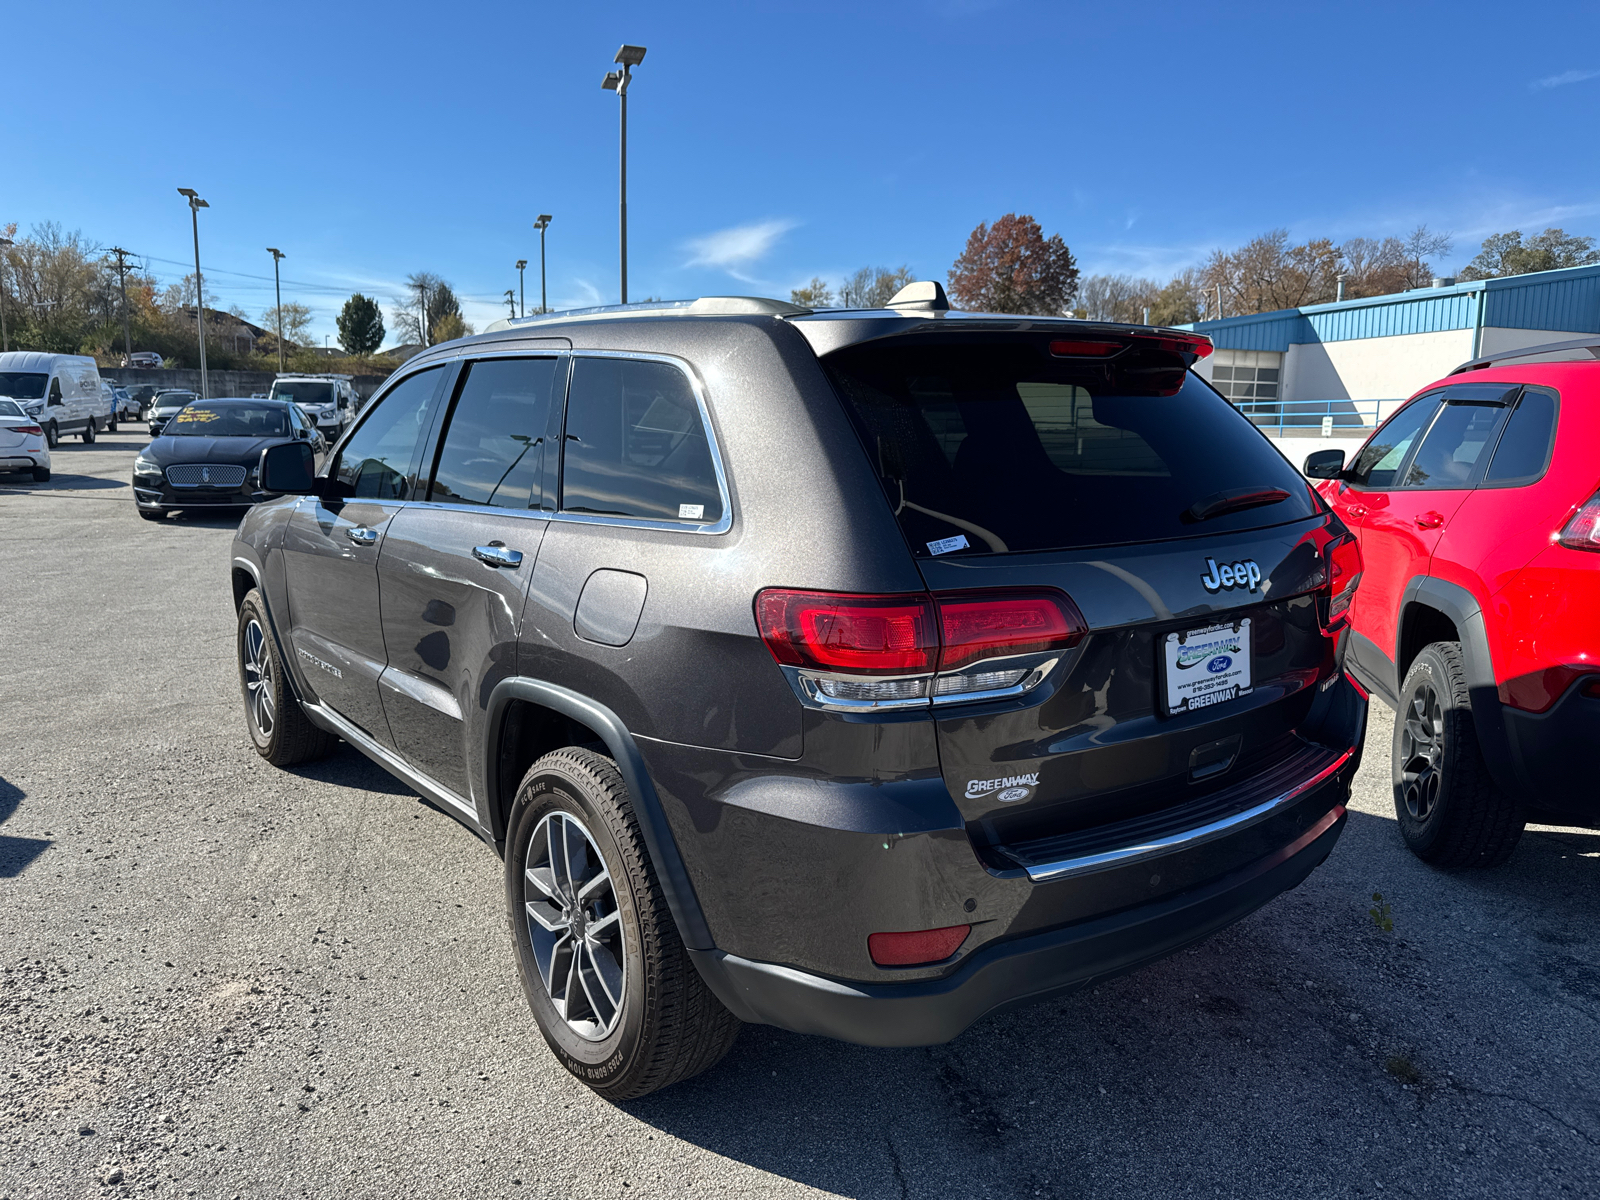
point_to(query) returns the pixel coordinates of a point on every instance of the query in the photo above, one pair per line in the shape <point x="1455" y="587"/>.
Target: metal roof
<point x="1567" y="300"/>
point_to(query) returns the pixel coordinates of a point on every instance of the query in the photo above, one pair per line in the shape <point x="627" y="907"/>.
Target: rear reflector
<point x="858" y="635"/>
<point x="1583" y="531"/>
<point x="1538" y="690"/>
<point x="979" y="625"/>
<point x="917" y="948"/>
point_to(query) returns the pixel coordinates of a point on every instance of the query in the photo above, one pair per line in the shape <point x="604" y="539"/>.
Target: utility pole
<point x="195" y="205"/>
<point x="5" y="337"/>
<point x="521" y="286"/>
<point x="422" y="305"/>
<point x="511" y="303"/>
<point x="541" y="225"/>
<point x="277" y="291"/>
<point x="122" y="281"/>
<point x="617" y="81"/>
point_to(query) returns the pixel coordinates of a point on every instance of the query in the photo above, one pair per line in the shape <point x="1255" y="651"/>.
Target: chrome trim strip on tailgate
<point x="1124" y="855"/>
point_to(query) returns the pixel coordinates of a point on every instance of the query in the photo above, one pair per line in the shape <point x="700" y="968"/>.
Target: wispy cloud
<point x="1561" y="80"/>
<point x="735" y="249"/>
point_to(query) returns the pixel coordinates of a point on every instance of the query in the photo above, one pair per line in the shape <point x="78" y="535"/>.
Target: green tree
<point x="1507" y="254"/>
<point x="360" y="326"/>
<point x="1012" y="267"/>
<point x="815" y="294"/>
<point x="449" y="327"/>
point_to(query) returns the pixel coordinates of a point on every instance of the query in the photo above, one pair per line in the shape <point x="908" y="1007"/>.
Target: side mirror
<point x="1325" y="464"/>
<point x="288" y="468"/>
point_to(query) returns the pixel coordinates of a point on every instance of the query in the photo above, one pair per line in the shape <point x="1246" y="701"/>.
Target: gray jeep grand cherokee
<point x="855" y="672"/>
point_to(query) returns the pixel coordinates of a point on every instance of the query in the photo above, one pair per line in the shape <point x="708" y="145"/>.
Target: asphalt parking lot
<point x="225" y="980"/>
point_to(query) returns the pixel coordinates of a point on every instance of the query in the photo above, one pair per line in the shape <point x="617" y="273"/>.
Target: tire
<point x="111" y="425"/>
<point x="281" y="732"/>
<point x="52" y="435"/>
<point x="88" y="433"/>
<point x="41" y="474"/>
<point x="1450" y="810"/>
<point x="665" y="1025"/>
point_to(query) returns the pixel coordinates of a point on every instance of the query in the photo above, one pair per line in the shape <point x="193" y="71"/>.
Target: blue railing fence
<point x="1337" y="417"/>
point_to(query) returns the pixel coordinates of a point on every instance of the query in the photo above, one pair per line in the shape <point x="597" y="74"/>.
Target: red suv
<point x="1478" y="614"/>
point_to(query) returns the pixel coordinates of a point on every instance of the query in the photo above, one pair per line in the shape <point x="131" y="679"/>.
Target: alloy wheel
<point x="257" y="666"/>
<point x="1422" y="752"/>
<point x="574" y="926"/>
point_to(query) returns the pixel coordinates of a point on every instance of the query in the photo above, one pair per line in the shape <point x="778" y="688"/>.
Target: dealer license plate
<point x="1207" y="666"/>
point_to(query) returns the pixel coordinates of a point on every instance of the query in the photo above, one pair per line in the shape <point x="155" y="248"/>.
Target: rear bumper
<point x="1550" y="754"/>
<point x="1012" y="973"/>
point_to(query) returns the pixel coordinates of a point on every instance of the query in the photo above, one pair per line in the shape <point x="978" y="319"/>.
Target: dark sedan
<point x="209" y="453"/>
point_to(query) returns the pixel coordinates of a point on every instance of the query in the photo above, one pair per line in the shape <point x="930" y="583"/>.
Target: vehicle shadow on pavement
<point x="16" y="853"/>
<point x="18" y="482"/>
<point x="348" y="767"/>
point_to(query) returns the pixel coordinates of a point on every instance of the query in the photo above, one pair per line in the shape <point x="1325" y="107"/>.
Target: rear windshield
<point x="998" y="446"/>
<point x="229" y="420"/>
<point x="174" y="399"/>
<point x="10" y="408"/>
<point x="303" y="391"/>
<point x="22" y="385"/>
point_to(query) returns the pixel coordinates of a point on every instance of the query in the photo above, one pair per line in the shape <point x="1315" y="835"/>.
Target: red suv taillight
<point x="1583" y="531"/>
<point x="914" y="637"/>
<point x="1344" y="576"/>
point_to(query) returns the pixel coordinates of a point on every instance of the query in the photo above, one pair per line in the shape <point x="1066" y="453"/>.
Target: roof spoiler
<point x="1591" y="344"/>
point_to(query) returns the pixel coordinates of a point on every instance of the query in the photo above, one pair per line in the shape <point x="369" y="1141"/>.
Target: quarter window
<point x="1524" y="447"/>
<point x="635" y="445"/>
<point x="376" y="462"/>
<point x="493" y="449"/>
<point x="1380" y="458"/>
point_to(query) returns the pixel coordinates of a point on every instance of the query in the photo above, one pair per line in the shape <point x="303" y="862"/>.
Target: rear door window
<point x="493" y="449"/>
<point x="1524" y="449"/>
<point x="997" y="446"/>
<point x="635" y="444"/>
<point x="1453" y="450"/>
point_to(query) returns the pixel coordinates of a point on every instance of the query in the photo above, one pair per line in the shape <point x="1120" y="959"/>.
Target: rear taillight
<point x="847" y="646"/>
<point x="28" y="430"/>
<point x="917" y="948"/>
<point x="1344" y="576"/>
<point x="1538" y="690"/>
<point x="1583" y="531"/>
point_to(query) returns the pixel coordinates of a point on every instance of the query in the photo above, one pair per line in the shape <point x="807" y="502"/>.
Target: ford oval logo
<point x="1219" y="664"/>
<point x="1013" y="794"/>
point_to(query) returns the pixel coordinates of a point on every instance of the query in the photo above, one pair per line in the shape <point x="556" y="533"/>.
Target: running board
<point x="325" y="718"/>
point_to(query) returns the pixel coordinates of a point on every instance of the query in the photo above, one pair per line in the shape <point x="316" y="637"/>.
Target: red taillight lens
<point x="1070" y="349"/>
<point x="28" y="430"/>
<point x="1198" y="347"/>
<point x="860" y="635"/>
<point x="1344" y="576"/>
<point x="1538" y="690"/>
<point x="1583" y="531"/>
<point x="917" y="948"/>
<point x="991" y="624"/>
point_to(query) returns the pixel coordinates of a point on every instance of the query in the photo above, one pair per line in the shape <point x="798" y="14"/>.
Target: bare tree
<point x="1115" y="297"/>
<point x="816" y="294"/>
<point x="872" y="287"/>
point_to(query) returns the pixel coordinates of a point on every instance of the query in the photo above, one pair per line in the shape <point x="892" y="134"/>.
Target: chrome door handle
<point x="498" y="556"/>
<point x="361" y="535"/>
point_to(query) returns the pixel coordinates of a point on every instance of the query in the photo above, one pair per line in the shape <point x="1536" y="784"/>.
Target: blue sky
<point x="769" y="143"/>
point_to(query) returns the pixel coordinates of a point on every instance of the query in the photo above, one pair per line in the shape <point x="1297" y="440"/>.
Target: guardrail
<point x="1330" y="418"/>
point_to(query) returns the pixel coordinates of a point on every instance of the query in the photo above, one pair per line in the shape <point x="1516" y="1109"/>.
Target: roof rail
<point x="1591" y="344"/>
<point x="705" y="306"/>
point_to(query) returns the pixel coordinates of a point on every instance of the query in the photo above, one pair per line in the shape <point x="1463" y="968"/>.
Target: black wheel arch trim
<point x="1488" y="719"/>
<point x="674" y="878"/>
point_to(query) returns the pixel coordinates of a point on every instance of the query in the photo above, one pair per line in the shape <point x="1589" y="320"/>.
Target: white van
<point x="328" y="401"/>
<point x="61" y="391"/>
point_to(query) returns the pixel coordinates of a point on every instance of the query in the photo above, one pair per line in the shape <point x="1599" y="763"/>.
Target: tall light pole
<point x="5" y="337"/>
<point x="277" y="291"/>
<point x="195" y="205"/>
<point x="541" y="225"/>
<point x="522" y="289"/>
<point x="617" y="81"/>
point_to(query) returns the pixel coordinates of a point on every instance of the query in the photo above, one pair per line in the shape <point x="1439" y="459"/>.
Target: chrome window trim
<point x="722" y="524"/>
<point x="807" y="684"/>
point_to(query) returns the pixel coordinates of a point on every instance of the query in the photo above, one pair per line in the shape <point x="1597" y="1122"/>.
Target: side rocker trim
<point x="675" y="883"/>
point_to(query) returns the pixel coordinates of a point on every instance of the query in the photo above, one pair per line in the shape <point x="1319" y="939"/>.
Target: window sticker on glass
<point x="197" y="416"/>
<point x="691" y="512"/>
<point x="1207" y="666"/>
<point x="946" y="545"/>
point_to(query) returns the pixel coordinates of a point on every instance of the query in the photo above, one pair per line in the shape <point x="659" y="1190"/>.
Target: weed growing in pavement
<point x="1379" y="912"/>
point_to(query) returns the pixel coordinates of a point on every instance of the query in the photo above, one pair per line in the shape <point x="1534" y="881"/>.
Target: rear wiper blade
<point x="1218" y="503"/>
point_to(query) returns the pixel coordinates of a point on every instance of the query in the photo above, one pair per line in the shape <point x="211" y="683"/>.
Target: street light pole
<point x="541" y="225"/>
<point x="195" y="205"/>
<point x="5" y="337"/>
<point x="617" y="81"/>
<point x="277" y="291"/>
<point x="522" y="287"/>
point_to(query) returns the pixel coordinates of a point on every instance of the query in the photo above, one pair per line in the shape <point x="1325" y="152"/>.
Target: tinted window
<point x="1453" y="446"/>
<point x="1381" y="457"/>
<point x="303" y="391"/>
<point x="493" y="450"/>
<point x="1001" y="447"/>
<point x="1524" y="447"/>
<point x="376" y="462"/>
<point x="22" y="385"/>
<point x="635" y="445"/>
<point x="229" y="420"/>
